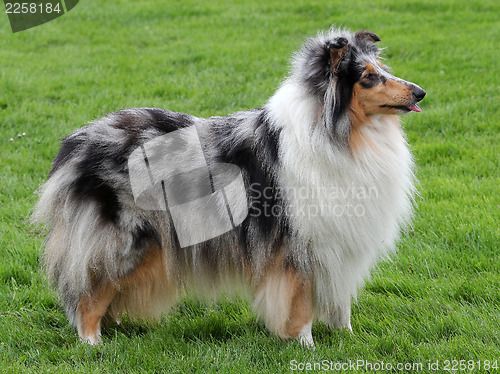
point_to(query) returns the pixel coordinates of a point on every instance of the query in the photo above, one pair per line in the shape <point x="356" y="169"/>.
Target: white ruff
<point x="350" y="208"/>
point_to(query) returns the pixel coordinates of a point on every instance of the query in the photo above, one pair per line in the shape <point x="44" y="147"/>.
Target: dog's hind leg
<point x="144" y="292"/>
<point x="148" y="291"/>
<point x="284" y="300"/>
<point x="90" y="310"/>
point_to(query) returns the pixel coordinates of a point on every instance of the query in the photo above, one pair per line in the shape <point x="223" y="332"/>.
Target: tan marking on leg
<point x="284" y="300"/>
<point x="301" y="304"/>
<point x="146" y="292"/>
<point x="131" y="290"/>
<point x="90" y="310"/>
<point x="151" y="268"/>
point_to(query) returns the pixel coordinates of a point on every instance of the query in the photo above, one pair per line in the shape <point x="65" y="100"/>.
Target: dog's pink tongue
<point x="415" y="108"/>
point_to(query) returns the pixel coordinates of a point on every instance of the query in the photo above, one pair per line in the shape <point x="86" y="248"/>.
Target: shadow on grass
<point x="192" y="321"/>
<point x="127" y="327"/>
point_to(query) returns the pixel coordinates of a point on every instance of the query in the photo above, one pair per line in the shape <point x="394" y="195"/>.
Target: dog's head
<point x="347" y="67"/>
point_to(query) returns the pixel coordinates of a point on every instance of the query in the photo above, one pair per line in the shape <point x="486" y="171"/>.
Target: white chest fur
<point x="349" y="206"/>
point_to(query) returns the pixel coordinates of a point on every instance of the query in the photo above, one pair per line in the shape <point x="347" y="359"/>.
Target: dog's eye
<point x="370" y="76"/>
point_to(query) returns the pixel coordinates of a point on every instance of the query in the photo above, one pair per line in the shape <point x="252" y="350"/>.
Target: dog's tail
<point x="78" y="207"/>
<point x="65" y="257"/>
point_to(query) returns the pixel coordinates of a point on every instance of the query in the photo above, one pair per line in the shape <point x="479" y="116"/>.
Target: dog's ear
<point x="338" y="49"/>
<point x="367" y="36"/>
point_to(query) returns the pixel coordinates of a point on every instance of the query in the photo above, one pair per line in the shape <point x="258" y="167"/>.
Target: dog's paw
<point x="91" y="339"/>
<point x="305" y="336"/>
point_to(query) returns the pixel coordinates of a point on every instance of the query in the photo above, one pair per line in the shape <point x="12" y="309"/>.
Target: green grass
<point x="439" y="299"/>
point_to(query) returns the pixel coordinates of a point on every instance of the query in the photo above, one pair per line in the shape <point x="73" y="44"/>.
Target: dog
<point x="329" y="182"/>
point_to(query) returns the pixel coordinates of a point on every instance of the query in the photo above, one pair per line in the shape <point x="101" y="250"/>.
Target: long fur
<point x="340" y="208"/>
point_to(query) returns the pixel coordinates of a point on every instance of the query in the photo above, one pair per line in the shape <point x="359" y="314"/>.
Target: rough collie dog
<point x="329" y="185"/>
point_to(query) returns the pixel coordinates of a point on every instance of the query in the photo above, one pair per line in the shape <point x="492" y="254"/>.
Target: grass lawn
<point x="438" y="300"/>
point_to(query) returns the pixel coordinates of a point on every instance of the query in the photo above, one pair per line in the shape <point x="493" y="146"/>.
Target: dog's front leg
<point x="340" y="317"/>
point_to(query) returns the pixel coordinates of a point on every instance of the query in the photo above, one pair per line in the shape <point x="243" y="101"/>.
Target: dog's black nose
<point x="418" y="93"/>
